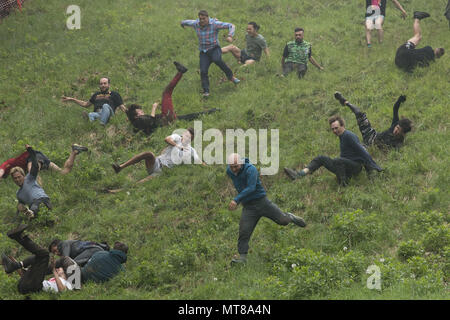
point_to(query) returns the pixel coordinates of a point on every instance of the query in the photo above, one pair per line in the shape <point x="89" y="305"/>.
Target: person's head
<point x="439" y="52"/>
<point x="18" y="175"/>
<point x="121" y="247"/>
<point x="134" y="111"/>
<point x="403" y="127"/>
<point x="203" y="18"/>
<point x="235" y="162"/>
<point x="187" y="136"/>
<point x="53" y="247"/>
<point x="104" y="84"/>
<point x="252" y="28"/>
<point x="337" y="125"/>
<point x="60" y="272"/>
<point x="299" y="33"/>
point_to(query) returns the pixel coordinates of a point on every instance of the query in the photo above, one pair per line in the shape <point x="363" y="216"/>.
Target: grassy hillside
<point x="178" y="227"/>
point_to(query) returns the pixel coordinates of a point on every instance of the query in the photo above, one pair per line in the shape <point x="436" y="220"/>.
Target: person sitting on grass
<point x="255" y="204"/>
<point x="24" y="161"/>
<point x="105" y="103"/>
<point x="33" y="279"/>
<point x="178" y="152"/>
<point x="408" y="57"/>
<point x="353" y="156"/>
<point x="255" y="45"/>
<point x="394" y="137"/>
<point x="148" y="123"/>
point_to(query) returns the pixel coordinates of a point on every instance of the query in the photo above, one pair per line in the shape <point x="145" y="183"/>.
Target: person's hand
<point x="27" y="146"/>
<point x="65" y="99"/>
<point x="229" y="39"/>
<point x="402" y="98"/>
<point x="233" y="205"/>
<point x="404" y="15"/>
<point x="321" y="68"/>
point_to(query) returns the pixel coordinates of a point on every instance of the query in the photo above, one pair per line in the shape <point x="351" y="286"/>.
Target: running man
<point x="148" y="123"/>
<point x="255" y="45"/>
<point x="207" y="30"/>
<point x="353" y="156"/>
<point x="394" y="137"/>
<point x="408" y="57"/>
<point x="255" y="204"/>
<point x="375" y="14"/>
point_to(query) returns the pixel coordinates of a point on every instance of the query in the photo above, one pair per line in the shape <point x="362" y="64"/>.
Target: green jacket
<point x="298" y="52"/>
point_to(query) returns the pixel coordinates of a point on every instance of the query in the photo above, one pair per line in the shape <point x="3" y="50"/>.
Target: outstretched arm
<point x="397" y="104"/>
<point x="82" y="103"/>
<point x="315" y="63"/>
<point x="399" y="7"/>
<point x="188" y="23"/>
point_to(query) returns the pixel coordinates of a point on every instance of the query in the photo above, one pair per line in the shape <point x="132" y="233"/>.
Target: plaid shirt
<point x="208" y="35"/>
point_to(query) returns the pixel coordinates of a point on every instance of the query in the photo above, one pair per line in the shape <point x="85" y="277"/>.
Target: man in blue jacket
<point x="352" y="158"/>
<point x="255" y="204"/>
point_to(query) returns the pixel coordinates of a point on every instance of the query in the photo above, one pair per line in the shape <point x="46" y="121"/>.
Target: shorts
<point x="42" y="159"/>
<point x="402" y="56"/>
<point x="245" y="56"/>
<point x="374" y="22"/>
<point x="157" y="168"/>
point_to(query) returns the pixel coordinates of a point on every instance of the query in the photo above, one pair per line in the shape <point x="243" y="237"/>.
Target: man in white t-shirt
<point x="178" y="152"/>
<point x="33" y="278"/>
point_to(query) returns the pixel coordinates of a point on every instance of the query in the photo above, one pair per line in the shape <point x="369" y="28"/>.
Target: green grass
<point x="179" y="230"/>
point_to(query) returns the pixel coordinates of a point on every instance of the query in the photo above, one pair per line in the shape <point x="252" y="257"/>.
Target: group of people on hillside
<point x="95" y="260"/>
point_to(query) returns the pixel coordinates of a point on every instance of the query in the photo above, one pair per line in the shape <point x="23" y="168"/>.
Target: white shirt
<point x="172" y="156"/>
<point x="50" y="285"/>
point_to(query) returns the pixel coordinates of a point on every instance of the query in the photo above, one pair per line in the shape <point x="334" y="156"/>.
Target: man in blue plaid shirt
<point x="207" y="30"/>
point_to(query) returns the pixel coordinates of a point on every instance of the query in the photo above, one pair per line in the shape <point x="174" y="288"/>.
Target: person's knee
<point x="148" y="155"/>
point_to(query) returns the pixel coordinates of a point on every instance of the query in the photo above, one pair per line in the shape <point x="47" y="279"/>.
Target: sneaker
<point x="180" y="67"/>
<point x="339" y="97"/>
<point x="78" y="148"/>
<point x="10" y="265"/>
<point x="369" y="45"/>
<point x="297" y="220"/>
<point x="116" y="167"/>
<point x="291" y="173"/>
<point x="205" y="94"/>
<point x="29" y="214"/>
<point x="420" y="15"/>
<point x="15" y="233"/>
<point x="238" y="261"/>
<point x="235" y="80"/>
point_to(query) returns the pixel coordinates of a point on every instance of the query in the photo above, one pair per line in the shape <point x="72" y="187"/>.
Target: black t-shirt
<point x="387" y="138"/>
<point x="381" y="4"/>
<point x="408" y="59"/>
<point x="147" y="123"/>
<point x="112" y="98"/>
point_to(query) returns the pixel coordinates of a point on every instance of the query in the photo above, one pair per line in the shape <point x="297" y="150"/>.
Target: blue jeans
<point x="104" y="114"/>
<point x="208" y="57"/>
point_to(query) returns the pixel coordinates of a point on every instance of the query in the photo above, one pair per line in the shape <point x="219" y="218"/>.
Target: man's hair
<point x="131" y="111"/>
<point x="440" y="52"/>
<point x="109" y="80"/>
<point x="55" y="242"/>
<point x="254" y="24"/>
<point x="299" y="29"/>
<point x="17" y="169"/>
<point x="203" y="13"/>
<point x="337" y="118"/>
<point x="121" y="246"/>
<point x="405" y="124"/>
<point x="191" y="131"/>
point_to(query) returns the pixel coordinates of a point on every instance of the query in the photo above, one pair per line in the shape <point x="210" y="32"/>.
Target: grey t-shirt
<point x="30" y="191"/>
<point x="255" y="45"/>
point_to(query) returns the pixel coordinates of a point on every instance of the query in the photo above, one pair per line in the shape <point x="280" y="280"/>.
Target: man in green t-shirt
<point x="296" y="55"/>
<point x="255" y="45"/>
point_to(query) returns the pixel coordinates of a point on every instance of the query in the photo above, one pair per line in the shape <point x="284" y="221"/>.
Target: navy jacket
<point x="247" y="183"/>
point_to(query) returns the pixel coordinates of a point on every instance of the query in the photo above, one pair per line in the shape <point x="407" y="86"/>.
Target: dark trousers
<point x="301" y="69"/>
<point x="36" y="203"/>
<point x="31" y="280"/>
<point x="368" y="133"/>
<point x="343" y="168"/>
<point x="208" y="57"/>
<point x="251" y="213"/>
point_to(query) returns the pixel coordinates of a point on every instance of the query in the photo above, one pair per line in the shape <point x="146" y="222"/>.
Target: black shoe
<point x="78" y="148"/>
<point x="238" y="261"/>
<point x="10" y="265"/>
<point x="116" y="167"/>
<point x="297" y="220"/>
<point x="339" y="97"/>
<point x="15" y="233"/>
<point x="291" y="173"/>
<point x="420" y="15"/>
<point x="180" y="67"/>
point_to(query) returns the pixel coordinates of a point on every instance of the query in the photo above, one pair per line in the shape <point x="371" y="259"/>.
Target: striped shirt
<point x="208" y="35"/>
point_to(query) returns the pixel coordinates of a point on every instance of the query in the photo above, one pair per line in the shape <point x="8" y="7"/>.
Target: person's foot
<point x="238" y="261"/>
<point x="291" y="173"/>
<point x="15" y="233"/>
<point x="420" y="15"/>
<point x="235" y="80"/>
<point x="10" y="265"/>
<point x="78" y="148"/>
<point x="180" y="67"/>
<point x="369" y="45"/>
<point x="297" y="220"/>
<point x="340" y="98"/>
<point x="205" y="94"/>
<point x="85" y="115"/>
<point x="116" y="167"/>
